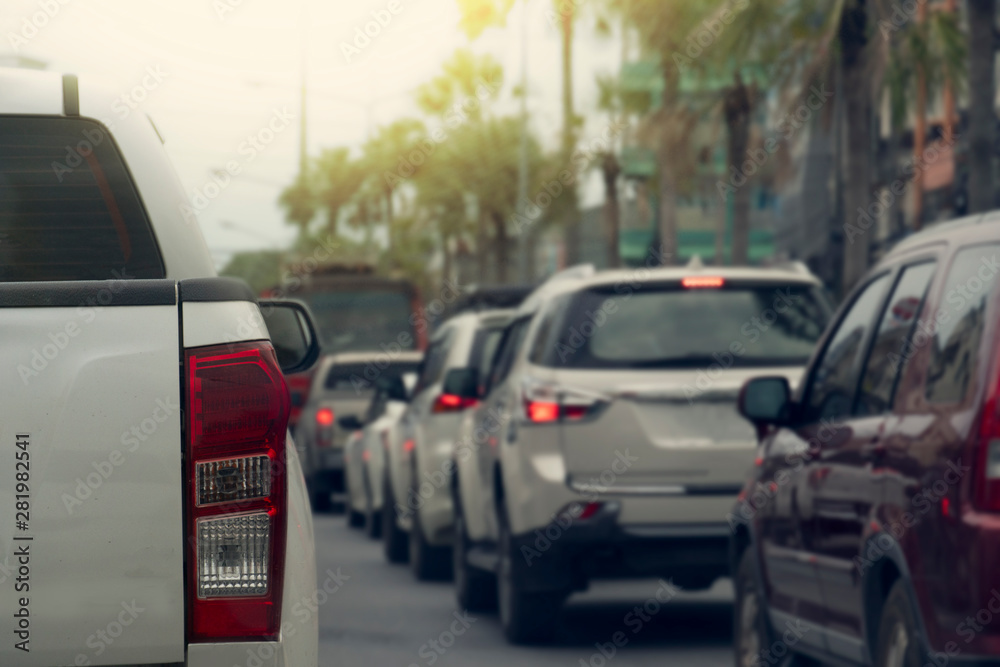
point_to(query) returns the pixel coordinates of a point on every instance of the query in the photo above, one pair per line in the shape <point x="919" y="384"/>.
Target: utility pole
<point x="526" y="265"/>
<point x="303" y="52"/>
<point x="572" y="222"/>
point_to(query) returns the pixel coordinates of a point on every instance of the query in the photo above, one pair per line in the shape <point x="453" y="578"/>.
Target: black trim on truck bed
<point x="215" y="289"/>
<point x="88" y="293"/>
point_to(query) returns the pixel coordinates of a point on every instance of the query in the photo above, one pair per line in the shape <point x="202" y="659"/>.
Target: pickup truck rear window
<point x="68" y="208"/>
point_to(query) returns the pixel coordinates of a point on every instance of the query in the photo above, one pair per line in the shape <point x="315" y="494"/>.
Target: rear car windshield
<point x="362" y="376"/>
<point x="359" y="320"/>
<point x="68" y="209"/>
<point x="667" y="326"/>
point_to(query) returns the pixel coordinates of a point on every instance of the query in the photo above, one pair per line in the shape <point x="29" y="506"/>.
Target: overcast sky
<point x="227" y="65"/>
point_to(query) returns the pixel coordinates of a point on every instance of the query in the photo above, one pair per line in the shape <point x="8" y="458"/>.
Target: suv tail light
<point x="452" y="403"/>
<point x="545" y="403"/>
<point x="237" y="409"/>
<point x="324" y="427"/>
<point x="987" y="485"/>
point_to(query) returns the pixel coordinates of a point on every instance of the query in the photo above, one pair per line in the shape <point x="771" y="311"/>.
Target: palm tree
<point x="477" y="15"/>
<point x="928" y="58"/>
<point x="663" y="27"/>
<point x="458" y="160"/>
<point x="299" y="202"/>
<point x="610" y="100"/>
<point x="386" y="157"/>
<point x="823" y="42"/>
<point x="338" y="179"/>
<point x="738" y="103"/>
<point x="982" y="119"/>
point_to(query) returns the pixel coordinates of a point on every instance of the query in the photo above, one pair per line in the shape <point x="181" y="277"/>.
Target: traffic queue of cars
<point x="590" y="432"/>
<point x="694" y="423"/>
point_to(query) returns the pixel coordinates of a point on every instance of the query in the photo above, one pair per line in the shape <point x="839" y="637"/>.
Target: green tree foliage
<point x="260" y="268"/>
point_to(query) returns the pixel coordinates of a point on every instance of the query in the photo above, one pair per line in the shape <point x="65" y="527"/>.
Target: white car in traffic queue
<point x="343" y="385"/>
<point x="606" y="443"/>
<point x="365" y="452"/>
<point x="419" y="474"/>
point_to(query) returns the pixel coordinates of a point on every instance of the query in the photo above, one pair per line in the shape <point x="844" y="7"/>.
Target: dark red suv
<point x="870" y="532"/>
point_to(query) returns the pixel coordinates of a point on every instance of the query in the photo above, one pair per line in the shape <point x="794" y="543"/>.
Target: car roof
<point x="971" y="228"/>
<point x="373" y="355"/>
<point x="492" y="317"/>
<point x="585" y="276"/>
<point x="407" y="356"/>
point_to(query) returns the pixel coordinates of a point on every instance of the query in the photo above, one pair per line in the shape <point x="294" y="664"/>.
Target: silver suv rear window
<point x="668" y="326"/>
<point x="68" y="208"/>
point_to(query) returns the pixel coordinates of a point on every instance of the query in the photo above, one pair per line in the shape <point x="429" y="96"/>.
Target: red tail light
<point x="545" y="403"/>
<point x="452" y="403"/>
<point x="987" y="486"/>
<point x="324" y="417"/>
<point x="237" y="408"/>
<point x="541" y="412"/>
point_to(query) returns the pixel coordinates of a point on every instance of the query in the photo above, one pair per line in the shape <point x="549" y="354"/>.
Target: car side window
<point x="484" y="349"/>
<point x="889" y="349"/>
<point x="960" y="320"/>
<point x="509" y="346"/>
<point x="834" y="378"/>
<point x="546" y="338"/>
<point x="432" y="367"/>
<point x="376" y="407"/>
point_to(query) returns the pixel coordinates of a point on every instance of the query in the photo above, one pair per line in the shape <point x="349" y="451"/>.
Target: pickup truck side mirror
<point x="293" y="334"/>
<point x="350" y="423"/>
<point x="766" y="401"/>
<point x="462" y="382"/>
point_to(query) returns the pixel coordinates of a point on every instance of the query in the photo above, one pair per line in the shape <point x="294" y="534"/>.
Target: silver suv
<point x="607" y="443"/>
<point x="342" y="386"/>
<point x="459" y="351"/>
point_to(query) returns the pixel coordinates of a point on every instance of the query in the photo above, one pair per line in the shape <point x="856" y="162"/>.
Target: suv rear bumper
<point x="564" y="556"/>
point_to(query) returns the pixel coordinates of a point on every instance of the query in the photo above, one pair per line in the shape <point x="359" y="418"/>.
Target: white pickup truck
<point x="152" y="507"/>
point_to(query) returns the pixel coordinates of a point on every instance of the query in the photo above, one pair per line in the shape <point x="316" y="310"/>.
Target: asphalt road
<point x="381" y="616"/>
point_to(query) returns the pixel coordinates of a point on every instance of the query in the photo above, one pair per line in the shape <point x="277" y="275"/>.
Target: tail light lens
<point x="545" y="403"/>
<point x="324" y="417"/>
<point x="452" y="403"/>
<point x="324" y="427"/>
<point x="237" y="408"/>
<point x="988" y="458"/>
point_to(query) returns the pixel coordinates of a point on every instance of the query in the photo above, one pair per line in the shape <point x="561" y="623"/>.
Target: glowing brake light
<point x="324" y="417"/>
<point x="546" y="403"/>
<point x="703" y="282"/>
<point x="540" y="413"/>
<point x="452" y="403"/>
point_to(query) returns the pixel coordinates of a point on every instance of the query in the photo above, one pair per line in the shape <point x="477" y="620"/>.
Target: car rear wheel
<point x="475" y="589"/>
<point x="429" y="563"/>
<point x="753" y="638"/>
<point x="752" y="630"/>
<point x="394" y="540"/>
<point x="526" y="617"/>
<point x="898" y="635"/>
